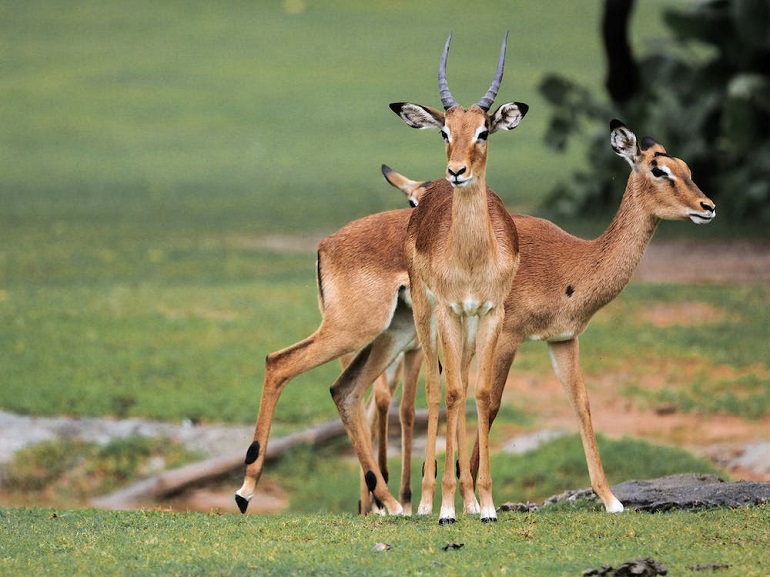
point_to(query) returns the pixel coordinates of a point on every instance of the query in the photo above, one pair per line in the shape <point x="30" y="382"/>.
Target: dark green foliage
<point x="704" y="94"/>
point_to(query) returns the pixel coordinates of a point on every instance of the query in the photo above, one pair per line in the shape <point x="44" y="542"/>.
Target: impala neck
<point x="620" y="248"/>
<point x="471" y="236"/>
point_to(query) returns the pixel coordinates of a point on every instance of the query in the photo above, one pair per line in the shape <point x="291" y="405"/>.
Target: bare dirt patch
<point x="691" y="313"/>
<point x="733" y="261"/>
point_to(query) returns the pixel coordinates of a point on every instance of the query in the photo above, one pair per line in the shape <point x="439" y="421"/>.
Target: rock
<point x="689" y="491"/>
<point x="685" y="491"/>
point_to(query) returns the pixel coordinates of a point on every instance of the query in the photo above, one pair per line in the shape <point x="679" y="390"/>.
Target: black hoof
<point x="242" y="503"/>
<point x="489" y="519"/>
<point x="446" y="520"/>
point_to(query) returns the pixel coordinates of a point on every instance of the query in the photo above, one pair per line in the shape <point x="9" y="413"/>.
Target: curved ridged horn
<point x="443" y="86"/>
<point x="486" y="102"/>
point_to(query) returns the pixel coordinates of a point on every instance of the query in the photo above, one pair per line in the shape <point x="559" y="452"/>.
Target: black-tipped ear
<point x="647" y="142"/>
<point x="386" y="170"/>
<point x="615" y="123"/>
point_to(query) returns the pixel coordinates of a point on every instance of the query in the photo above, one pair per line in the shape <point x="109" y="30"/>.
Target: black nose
<point x="458" y="173"/>
<point x="707" y="206"/>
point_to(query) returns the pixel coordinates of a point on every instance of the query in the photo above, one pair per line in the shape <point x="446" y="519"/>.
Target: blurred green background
<point x="147" y="149"/>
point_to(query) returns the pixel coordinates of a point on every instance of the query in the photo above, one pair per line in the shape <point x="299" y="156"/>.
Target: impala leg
<point x="488" y="333"/>
<point x="384" y="387"/>
<point x="377" y="417"/>
<point x="366" y="503"/>
<point x="565" y="358"/>
<point x="280" y="368"/>
<point x="450" y="330"/>
<point x="426" y="334"/>
<point x="348" y="391"/>
<point x="412" y="365"/>
<point x="470" y="504"/>
<point x="505" y="352"/>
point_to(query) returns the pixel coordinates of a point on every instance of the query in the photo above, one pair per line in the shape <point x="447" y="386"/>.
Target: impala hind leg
<point x="348" y="391"/>
<point x="280" y="368"/>
<point x="377" y="416"/>
<point x="412" y="365"/>
<point x="565" y="358"/>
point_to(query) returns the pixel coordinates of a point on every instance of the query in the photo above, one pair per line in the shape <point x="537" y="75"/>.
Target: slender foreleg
<point x="450" y="331"/>
<point x="470" y="503"/>
<point x="426" y="333"/>
<point x="486" y="339"/>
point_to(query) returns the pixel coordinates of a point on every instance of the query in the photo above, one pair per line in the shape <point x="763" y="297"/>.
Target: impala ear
<point x="508" y="116"/>
<point x="418" y="116"/>
<point x="623" y="142"/>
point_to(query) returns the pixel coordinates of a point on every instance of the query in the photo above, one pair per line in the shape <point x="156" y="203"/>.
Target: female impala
<point x="462" y="254"/>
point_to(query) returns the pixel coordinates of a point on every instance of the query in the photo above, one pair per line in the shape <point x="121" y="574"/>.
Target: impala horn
<point x="486" y="102"/>
<point x="443" y="86"/>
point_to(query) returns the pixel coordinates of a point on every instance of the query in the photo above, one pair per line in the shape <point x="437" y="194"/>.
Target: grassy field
<point x="564" y="542"/>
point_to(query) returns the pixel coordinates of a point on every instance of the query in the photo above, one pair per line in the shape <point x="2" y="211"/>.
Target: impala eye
<point x="445" y="136"/>
<point x="483" y="135"/>
<point x="657" y="172"/>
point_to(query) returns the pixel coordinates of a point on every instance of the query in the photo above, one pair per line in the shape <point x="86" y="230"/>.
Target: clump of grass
<point x="72" y="470"/>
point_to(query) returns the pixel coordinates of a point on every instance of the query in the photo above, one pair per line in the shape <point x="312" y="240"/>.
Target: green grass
<point x="110" y="349"/>
<point x="81" y="542"/>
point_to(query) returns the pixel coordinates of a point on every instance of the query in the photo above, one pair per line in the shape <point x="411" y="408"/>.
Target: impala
<point x="462" y="254"/>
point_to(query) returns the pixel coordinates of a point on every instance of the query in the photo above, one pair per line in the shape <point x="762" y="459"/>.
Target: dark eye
<point x="483" y="135"/>
<point x="657" y="172"/>
<point x="445" y="136"/>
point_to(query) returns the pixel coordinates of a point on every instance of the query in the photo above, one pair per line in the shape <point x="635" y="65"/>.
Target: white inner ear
<point x="417" y="117"/>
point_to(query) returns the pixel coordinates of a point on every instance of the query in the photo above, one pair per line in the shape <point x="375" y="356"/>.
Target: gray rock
<point x="685" y="491"/>
<point x="690" y="491"/>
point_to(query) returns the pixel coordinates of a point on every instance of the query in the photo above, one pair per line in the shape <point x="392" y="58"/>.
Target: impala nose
<point x="454" y="174"/>
<point x="707" y="206"/>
